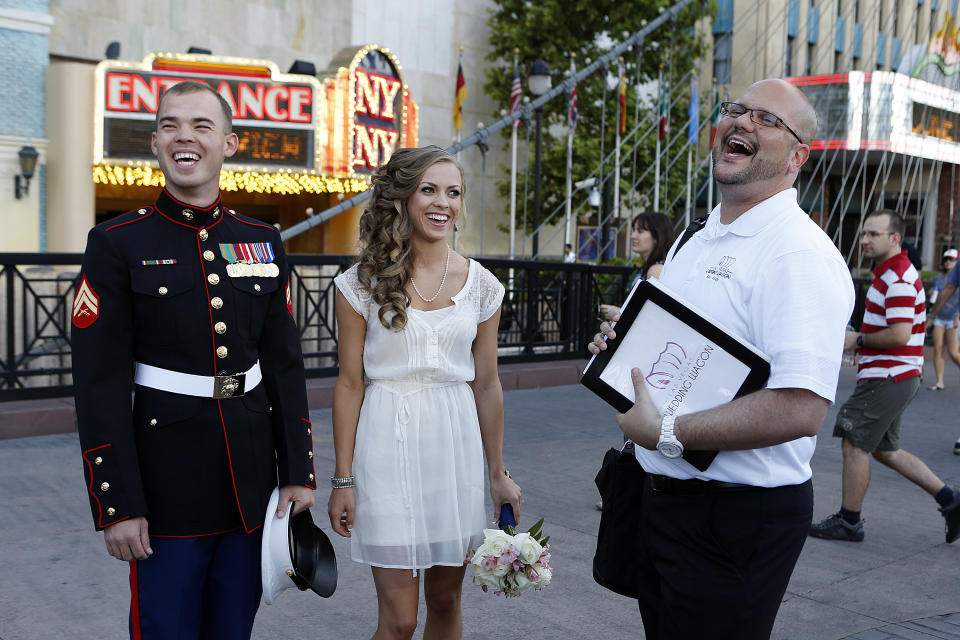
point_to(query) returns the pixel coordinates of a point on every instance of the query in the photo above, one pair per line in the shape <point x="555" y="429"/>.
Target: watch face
<point x="669" y="450"/>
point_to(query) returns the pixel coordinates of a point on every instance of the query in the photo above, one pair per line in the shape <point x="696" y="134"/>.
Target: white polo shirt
<point x="774" y="278"/>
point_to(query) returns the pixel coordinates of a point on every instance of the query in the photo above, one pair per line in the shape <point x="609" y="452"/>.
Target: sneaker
<point x="836" y="528"/>
<point x="951" y="515"/>
<point x="956" y="448"/>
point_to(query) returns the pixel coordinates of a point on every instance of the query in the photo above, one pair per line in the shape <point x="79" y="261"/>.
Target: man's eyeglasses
<point x="759" y="116"/>
<point x="875" y="234"/>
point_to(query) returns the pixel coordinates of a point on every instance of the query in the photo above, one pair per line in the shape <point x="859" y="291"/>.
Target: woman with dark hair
<point x="420" y="321"/>
<point x="651" y="239"/>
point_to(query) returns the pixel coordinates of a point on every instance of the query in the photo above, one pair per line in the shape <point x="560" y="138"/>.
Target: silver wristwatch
<point x="668" y="445"/>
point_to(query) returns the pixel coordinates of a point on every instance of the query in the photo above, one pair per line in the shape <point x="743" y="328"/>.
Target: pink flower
<point x="532" y="574"/>
<point x="489" y="563"/>
<point x="517" y="566"/>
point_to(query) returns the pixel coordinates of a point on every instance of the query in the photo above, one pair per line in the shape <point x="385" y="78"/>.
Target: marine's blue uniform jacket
<point x="155" y="289"/>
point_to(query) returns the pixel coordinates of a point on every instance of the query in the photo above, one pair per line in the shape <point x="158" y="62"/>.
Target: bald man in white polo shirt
<point x="718" y="546"/>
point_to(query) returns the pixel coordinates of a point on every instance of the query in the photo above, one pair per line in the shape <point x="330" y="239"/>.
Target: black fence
<point x="549" y="312"/>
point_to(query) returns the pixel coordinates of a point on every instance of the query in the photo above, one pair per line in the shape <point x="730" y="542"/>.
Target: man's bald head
<point x="790" y="103"/>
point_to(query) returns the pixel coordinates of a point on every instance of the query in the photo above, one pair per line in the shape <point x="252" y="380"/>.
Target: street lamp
<point x="538" y="81"/>
<point x="28" y="164"/>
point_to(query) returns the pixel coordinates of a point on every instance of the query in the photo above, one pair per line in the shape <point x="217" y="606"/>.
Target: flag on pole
<point x="622" y="101"/>
<point x="664" y="108"/>
<point x="459" y="97"/>
<point x="693" y="128"/>
<point x="573" y="113"/>
<point x="714" y="114"/>
<point x="516" y="90"/>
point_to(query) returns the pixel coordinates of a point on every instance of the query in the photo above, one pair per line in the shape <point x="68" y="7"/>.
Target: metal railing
<point x="549" y="312"/>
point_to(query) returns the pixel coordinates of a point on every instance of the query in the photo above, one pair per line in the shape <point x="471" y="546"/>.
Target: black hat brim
<point x="314" y="560"/>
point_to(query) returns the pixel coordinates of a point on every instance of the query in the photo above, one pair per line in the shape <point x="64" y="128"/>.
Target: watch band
<point x="860" y="340"/>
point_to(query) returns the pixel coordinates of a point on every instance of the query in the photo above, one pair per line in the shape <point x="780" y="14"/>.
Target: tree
<point x="553" y="29"/>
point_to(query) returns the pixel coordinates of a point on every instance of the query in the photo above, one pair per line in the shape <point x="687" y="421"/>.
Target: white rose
<point x="529" y="548"/>
<point x="545" y="576"/>
<point x="523" y="583"/>
<point x="496" y="541"/>
<point x="486" y="579"/>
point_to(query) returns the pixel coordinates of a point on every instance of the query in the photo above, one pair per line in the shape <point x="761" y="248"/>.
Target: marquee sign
<point x="296" y="132"/>
<point x="373" y="111"/>
<point x="884" y="111"/>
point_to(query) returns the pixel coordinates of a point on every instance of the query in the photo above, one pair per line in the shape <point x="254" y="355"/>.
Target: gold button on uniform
<point x="216" y="212"/>
<point x="256" y="287"/>
<point x="222" y="352"/>
<point x="213" y="278"/>
<point x="204" y="235"/>
<point x="310" y="454"/>
<point x="162" y="291"/>
<point x="111" y="511"/>
<point x="153" y="422"/>
<point x="188" y="214"/>
<point x="105" y="486"/>
<point x="310" y="476"/>
<point x="308" y="430"/>
<point x="208" y="255"/>
<point x="216" y="303"/>
<point x="141" y="211"/>
<point x="98" y="461"/>
<point x="220" y="327"/>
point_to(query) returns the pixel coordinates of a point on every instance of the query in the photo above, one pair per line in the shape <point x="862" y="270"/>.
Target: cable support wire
<point x="483" y="135"/>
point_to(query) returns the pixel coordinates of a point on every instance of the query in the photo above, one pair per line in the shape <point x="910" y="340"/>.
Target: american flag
<point x="516" y="90"/>
<point x="572" y="115"/>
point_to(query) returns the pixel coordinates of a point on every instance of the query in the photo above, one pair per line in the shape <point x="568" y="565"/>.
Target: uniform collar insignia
<point x="187" y="213"/>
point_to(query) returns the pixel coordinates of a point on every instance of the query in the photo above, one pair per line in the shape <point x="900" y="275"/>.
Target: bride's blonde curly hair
<point x="386" y="258"/>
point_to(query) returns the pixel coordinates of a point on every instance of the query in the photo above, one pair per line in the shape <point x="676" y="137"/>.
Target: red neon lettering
<point x="271" y="103"/>
<point x="387" y="88"/>
<point x="118" y="90"/>
<point x="225" y="92"/>
<point x="145" y="96"/>
<point x="367" y="99"/>
<point x="301" y="99"/>
<point x="373" y="145"/>
<point x="251" y="101"/>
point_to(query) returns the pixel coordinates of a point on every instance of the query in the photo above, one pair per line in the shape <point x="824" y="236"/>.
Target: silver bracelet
<point x="342" y="483"/>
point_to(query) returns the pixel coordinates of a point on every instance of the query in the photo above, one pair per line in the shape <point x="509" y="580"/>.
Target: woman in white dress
<point x="420" y="321"/>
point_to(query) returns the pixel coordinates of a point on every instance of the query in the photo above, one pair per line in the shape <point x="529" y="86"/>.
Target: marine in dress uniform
<point x="188" y="308"/>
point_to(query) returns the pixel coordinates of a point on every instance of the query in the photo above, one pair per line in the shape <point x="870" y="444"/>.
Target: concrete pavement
<point x="56" y="580"/>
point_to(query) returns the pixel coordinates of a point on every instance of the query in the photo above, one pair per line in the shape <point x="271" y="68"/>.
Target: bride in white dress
<point x="420" y="321"/>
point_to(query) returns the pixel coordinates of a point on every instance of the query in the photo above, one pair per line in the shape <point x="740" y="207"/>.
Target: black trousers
<point x="716" y="565"/>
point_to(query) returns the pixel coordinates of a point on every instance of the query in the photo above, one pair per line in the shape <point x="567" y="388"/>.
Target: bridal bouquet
<point x="510" y="562"/>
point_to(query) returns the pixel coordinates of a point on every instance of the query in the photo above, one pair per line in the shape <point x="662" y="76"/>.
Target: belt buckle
<point x="229" y="386"/>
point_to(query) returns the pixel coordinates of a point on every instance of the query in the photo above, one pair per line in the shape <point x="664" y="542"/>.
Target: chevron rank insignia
<point x="86" y="305"/>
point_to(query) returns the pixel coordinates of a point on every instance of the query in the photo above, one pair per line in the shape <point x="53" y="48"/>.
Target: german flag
<point x="459" y="97"/>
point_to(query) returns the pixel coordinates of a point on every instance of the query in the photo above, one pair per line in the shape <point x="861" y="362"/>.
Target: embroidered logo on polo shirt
<point x="723" y="269"/>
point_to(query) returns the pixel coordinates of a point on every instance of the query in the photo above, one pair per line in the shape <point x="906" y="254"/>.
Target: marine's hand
<point x="642" y="422"/>
<point x="606" y="329"/>
<point x="128" y="540"/>
<point x="504" y="489"/>
<point x="301" y="497"/>
<point x="341" y="508"/>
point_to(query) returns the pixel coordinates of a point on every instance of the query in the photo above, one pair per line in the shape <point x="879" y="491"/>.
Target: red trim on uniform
<point x="216" y="203"/>
<point x="236" y="494"/>
<point x="197" y="535"/>
<point x="137" y="219"/>
<point x="190" y="226"/>
<point x="134" y="603"/>
<point x="252" y="224"/>
<point x="90" y="485"/>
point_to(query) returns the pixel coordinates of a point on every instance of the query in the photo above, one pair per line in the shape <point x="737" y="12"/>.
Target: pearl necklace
<point x="442" y="281"/>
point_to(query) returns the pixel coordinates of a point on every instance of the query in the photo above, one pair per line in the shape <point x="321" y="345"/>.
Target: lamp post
<point x="28" y="164"/>
<point x="538" y="81"/>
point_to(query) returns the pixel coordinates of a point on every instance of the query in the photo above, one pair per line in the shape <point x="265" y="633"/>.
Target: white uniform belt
<point x="217" y="387"/>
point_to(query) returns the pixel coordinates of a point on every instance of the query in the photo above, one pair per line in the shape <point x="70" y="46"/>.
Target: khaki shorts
<point x="870" y="418"/>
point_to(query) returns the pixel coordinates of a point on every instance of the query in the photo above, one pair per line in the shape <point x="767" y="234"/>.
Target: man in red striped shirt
<point x="890" y="348"/>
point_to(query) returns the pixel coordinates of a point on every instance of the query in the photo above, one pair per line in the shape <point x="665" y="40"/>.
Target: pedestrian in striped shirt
<point x="890" y="349"/>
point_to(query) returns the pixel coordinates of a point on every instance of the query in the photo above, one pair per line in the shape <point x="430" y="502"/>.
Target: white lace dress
<point x="418" y="457"/>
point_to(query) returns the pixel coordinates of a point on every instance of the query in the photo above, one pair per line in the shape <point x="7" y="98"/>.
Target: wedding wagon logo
<point x="662" y="372"/>
<point x="724" y="268"/>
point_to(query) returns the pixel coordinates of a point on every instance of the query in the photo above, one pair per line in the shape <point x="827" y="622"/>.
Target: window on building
<point x="722" y="57"/>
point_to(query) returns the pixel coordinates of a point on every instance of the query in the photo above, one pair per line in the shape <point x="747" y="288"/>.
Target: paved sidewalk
<point x="901" y="582"/>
